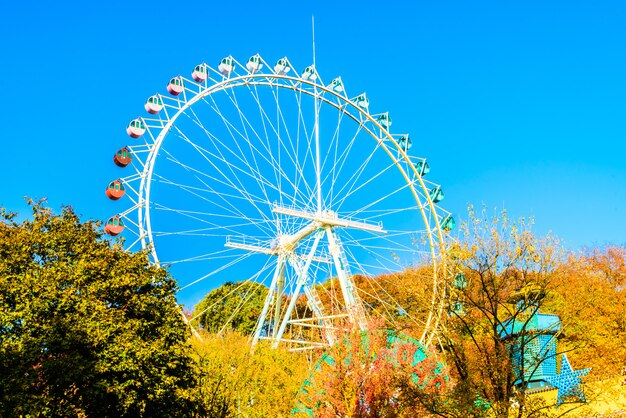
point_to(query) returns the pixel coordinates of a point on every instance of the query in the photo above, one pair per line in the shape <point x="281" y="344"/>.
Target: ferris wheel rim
<point x="143" y="205"/>
<point x="231" y="83"/>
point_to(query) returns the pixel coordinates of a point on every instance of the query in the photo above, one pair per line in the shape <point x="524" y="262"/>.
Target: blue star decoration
<point x="568" y="382"/>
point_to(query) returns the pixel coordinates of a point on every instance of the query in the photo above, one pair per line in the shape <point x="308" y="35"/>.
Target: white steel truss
<point x="252" y="178"/>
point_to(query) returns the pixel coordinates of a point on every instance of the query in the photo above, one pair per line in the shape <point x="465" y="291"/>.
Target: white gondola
<point x="309" y="73"/>
<point x="175" y="86"/>
<point x="226" y="66"/>
<point x="200" y="73"/>
<point x="136" y="128"/>
<point x="361" y="101"/>
<point x="254" y="64"/>
<point x="384" y="120"/>
<point x="154" y="104"/>
<point x="282" y="66"/>
<point x="336" y="85"/>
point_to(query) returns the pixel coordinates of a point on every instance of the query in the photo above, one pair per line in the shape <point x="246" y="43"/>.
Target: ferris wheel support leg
<point x="302" y="279"/>
<point x="277" y="305"/>
<point x="354" y="307"/>
<point x="280" y="267"/>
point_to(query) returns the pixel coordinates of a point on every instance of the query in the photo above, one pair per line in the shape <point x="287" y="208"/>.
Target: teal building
<point x="533" y="352"/>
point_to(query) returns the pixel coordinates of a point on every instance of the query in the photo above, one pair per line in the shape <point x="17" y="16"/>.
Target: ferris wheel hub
<point x="329" y="218"/>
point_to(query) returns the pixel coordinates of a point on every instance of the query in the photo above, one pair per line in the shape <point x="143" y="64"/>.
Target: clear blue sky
<point x="515" y="104"/>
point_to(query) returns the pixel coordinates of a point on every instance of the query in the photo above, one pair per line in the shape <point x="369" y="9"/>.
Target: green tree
<point x="232" y="306"/>
<point x="86" y="329"/>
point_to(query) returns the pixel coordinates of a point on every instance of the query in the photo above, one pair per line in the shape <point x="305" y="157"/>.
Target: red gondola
<point x="115" y="190"/>
<point x="114" y="226"/>
<point x="122" y="157"/>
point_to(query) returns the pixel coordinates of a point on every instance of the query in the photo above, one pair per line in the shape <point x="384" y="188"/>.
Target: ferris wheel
<point x="287" y="186"/>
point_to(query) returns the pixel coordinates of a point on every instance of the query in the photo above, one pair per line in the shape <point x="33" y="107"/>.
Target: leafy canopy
<point x="86" y="329"/>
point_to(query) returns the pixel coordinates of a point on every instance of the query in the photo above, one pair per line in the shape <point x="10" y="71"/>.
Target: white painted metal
<point x="329" y="218"/>
<point x="279" y="271"/>
<point x="321" y="219"/>
<point x="303" y="278"/>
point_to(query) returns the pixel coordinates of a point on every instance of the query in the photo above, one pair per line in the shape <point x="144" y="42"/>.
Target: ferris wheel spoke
<point x="333" y="146"/>
<point x="231" y="208"/>
<point x="253" y="150"/>
<point x="356" y="171"/>
<point x="280" y="173"/>
<point x="249" y="294"/>
<point x="217" y="270"/>
<point x="292" y="152"/>
<point x="333" y="150"/>
<point x="354" y="189"/>
<point x="196" y="215"/>
<point x="377" y="201"/>
<point x="394" y="305"/>
<point x="241" y="188"/>
<point x="208" y="155"/>
<point x="393" y="247"/>
<point x="232" y="291"/>
<point x="378" y="213"/>
<point x="391" y="234"/>
<point x="204" y="231"/>
<point x="226" y="253"/>
<point x="376" y="282"/>
<point x="208" y="189"/>
<point x="246" y="197"/>
<point x="384" y="278"/>
<point x="227" y="182"/>
<point x="219" y="145"/>
<point x="350" y="183"/>
<point x="340" y="162"/>
<point x="307" y="153"/>
<point x="390" y="264"/>
<point x="381" y="300"/>
<point x="264" y="155"/>
<point x="253" y="173"/>
<point x="392" y="238"/>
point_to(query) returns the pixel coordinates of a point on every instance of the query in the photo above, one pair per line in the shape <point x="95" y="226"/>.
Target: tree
<point x="377" y="373"/>
<point x="590" y="295"/>
<point x="402" y="299"/>
<point x="235" y="382"/>
<point x="506" y="273"/>
<point x="86" y="329"/>
<point x="232" y="306"/>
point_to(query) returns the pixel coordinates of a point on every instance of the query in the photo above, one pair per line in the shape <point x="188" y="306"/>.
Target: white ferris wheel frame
<point x="195" y="91"/>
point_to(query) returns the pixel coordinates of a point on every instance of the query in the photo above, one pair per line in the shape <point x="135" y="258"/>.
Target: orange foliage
<point x="589" y="293"/>
<point x="364" y="375"/>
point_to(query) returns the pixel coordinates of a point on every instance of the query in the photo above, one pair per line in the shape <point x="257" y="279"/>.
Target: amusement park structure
<point x="534" y="354"/>
<point x="260" y="174"/>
